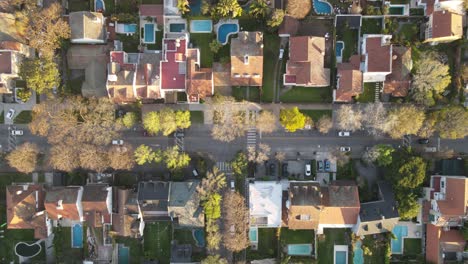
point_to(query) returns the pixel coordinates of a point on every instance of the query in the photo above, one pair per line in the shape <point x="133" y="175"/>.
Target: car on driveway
<point x="10" y="113"/>
<point x="320" y="165"/>
<point x="423" y="141"/>
<point x="344" y="134"/>
<point x="308" y="171"/>
<point x="117" y="142"/>
<point x="327" y="165"/>
<point x="17" y="132"/>
<point x="345" y="149"/>
<point x="281" y="52"/>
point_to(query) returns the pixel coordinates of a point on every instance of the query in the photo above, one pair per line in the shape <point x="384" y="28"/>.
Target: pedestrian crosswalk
<point x="378" y="89"/>
<point x="224" y="166"/>
<point x="251" y="137"/>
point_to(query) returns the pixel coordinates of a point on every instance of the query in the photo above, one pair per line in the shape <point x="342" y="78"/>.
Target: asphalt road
<point x="198" y="139"/>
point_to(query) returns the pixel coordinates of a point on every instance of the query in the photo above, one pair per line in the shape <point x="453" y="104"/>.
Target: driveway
<point x="28" y="106"/>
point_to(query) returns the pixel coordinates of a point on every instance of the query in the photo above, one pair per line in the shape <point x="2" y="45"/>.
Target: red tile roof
<point x="173" y="68"/>
<point x="432" y="244"/>
<point x="5" y="62"/>
<point x="378" y="55"/>
<point x="153" y="11"/>
<point x="350" y="80"/>
<point x="439" y="241"/>
<point x="446" y="24"/>
<point x="398" y="82"/>
<point x="66" y="197"/>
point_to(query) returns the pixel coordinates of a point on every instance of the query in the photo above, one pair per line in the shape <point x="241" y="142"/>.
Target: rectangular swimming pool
<point x="124" y="255"/>
<point x="177" y="27"/>
<point x="253" y="234"/>
<point x="77" y="236"/>
<point x="201" y="26"/>
<point x="396" y="10"/>
<point x="149" y="33"/>
<point x="341" y="257"/>
<point x="130" y="28"/>
<point x="397" y="244"/>
<point x="300" y="249"/>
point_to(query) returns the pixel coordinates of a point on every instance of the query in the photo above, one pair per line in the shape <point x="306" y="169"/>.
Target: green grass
<point x="202" y="41"/>
<point x="224" y="53"/>
<point x="350" y="39"/>
<point x="157" y="241"/>
<point x="416" y="12"/>
<point x="371" y="26"/>
<point x="368" y="95"/>
<point x="316" y="114"/>
<point x="289" y="236"/>
<point x="184" y="236"/>
<point x="80" y="5"/>
<point x="127" y="179"/>
<point x="24" y="117"/>
<point x="154" y="2"/>
<point x="307" y="95"/>
<point x="181" y="97"/>
<point x="135" y="247"/>
<point x="62" y="245"/>
<point x="270" y="58"/>
<point x="267" y="245"/>
<point x="379" y="247"/>
<point x="409" y="32"/>
<point x="412" y="246"/>
<point x="130" y="43"/>
<point x="110" y="6"/>
<point x="73" y="87"/>
<point x="240" y="93"/>
<point x="2" y="117"/>
<point x="196" y="117"/>
<point x="158" y="44"/>
<point x="326" y="242"/>
<point x="7" y="244"/>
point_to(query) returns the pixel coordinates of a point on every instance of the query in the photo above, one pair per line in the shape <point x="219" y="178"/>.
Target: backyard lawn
<point x="371" y="26"/>
<point x="202" y="41"/>
<point x="240" y="93"/>
<point x="80" y="5"/>
<point x="267" y="245"/>
<point x="408" y="32"/>
<point x="134" y="246"/>
<point x="184" y="236"/>
<point x="63" y="247"/>
<point x="350" y="39"/>
<point x="307" y="95"/>
<point x="157" y="241"/>
<point x="289" y="236"/>
<point x="329" y="239"/>
<point x="270" y="58"/>
<point x="316" y="114"/>
<point x="24" y="117"/>
<point x="73" y="86"/>
<point x="196" y="117"/>
<point x="412" y="246"/>
<point x="8" y="242"/>
<point x="368" y="95"/>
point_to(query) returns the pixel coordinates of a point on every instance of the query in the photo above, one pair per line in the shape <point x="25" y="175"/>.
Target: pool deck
<point x="340" y="248"/>
<point x="414" y="230"/>
<point x="174" y="20"/>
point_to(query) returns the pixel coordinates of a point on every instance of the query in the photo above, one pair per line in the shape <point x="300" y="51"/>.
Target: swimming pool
<point x="322" y="7"/>
<point x="358" y="257"/>
<point x="124" y="255"/>
<point x="397" y="244"/>
<point x="225" y="30"/>
<point x="253" y="232"/>
<point x="130" y="28"/>
<point x="149" y="34"/>
<point x="99" y="5"/>
<point x="396" y="10"/>
<point x="199" y="236"/>
<point x="300" y="249"/>
<point x="77" y="236"/>
<point x="341" y="257"/>
<point x="201" y="26"/>
<point x="177" y="27"/>
<point x="339" y="48"/>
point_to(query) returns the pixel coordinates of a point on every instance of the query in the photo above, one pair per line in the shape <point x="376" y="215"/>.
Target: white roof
<point x="265" y="201"/>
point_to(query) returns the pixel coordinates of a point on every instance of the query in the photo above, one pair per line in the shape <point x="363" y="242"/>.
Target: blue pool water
<point x="177" y="27"/>
<point x="340" y="257"/>
<point x="322" y="7"/>
<point x="100" y="5"/>
<point x="130" y="28"/>
<point x="199" y="236"/>
<point x="77" y="236"/>
<point x="339" y="48"/>
<point x="358" y="257"/>
<point x="300" y="249"/>
<point x="149" y="33"/>
<point x="195" y="7"/>
<point x="201" y="26"/>
<point x="225" y="30"/>
<point x="397" y="244"/>
<point x="124" y="255"/>
<point x="253" y="234"/>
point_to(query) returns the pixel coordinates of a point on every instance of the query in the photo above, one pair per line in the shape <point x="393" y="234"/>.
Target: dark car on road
<point x="327" y="165"/>
<point x="423" y="141"/>
<point x="320" y="165"/>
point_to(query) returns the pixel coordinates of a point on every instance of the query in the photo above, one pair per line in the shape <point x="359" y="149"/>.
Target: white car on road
<point x="10" y="113"/>
<point x="344" y="134"/>
<point x="117" y="142"/>
<point x="345" y="149"/>
<point x="17" y="132"/>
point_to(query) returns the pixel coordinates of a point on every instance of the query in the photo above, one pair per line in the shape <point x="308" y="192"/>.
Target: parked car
<point x="284" y="170"/>
<point x="281" y="53"/>
<point x="423" y="141"/>
<point x="308" y="170"/>
<point x="344" y="134"/>
<point x="327" y="165"/>
<point x="233" y="186"/>
<point x="195" y="173"/>
<point x="345" y="149"/>
<point x="10" y="113"/>
<point x="117" y="142"/>
<point x="320" y="165"/>
<point x="272" y="169"/>
<point x="17" y="132"/>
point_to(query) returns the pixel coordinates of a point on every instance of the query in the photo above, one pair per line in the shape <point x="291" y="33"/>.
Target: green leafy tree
<point x="214" y="181"/>
<point x="385" y="152"/>
<point x="259" y="9"/>
<point x="431" y="77"/>
<point x="239" y="164"/>
<point x="130" y="119"/>
<point x="212" y="206"/>
<point x="227" y="8"/>
<point x="215" y="46"/>
<point x="276" y="18"/>
<point x="24" y="94"/>
<point x="214" y="259"/>
<point x="408" y="205"/>
<point x="405" y="120"/>
<point x="40" y="75"/>
<point x="143" y="154"/>
<point x="174" y="159"/>
<point x="411" y="173"/>
<point x="205" y="7"/>
<point x="292" y="119"/>
<point x="167" y="121"/>
<point x="183" y="6"/>
<point x="152" y="123"/>
<point x="213" y="236"/>
<point x="182" y="119"/>
<point x="452" y="122"/>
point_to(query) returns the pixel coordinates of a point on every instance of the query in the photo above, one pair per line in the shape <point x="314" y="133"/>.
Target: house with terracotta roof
<point x="378" y="216"/>
<point x="377" y="53"/>
<point x="133" y="76"/>
<point x="247" y="59"/>
<point x="184" y="204"/>
<point x="156" y="12"/>
<point x="12" y="54"/>
<point x="444" y="246"/>
<point x="88" y="28"/>
<point x="349" y="80"/>
<point x="311" y="206"/>
<point x="306" y="64"/>
<point x="97" y="204"/>
<point x="443" y="26"/>
<point x="265" y="204"/>
<point x="125" y="216"/>
<point x="64" y="203"/>
<point x="398" y="82"/>
<point x="25" y="208"/>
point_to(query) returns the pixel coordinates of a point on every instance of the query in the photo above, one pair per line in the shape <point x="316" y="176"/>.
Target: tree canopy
<point x="324" y="124"/>
<point x="239" y="164"/>
<point x="235" y="214"/>
<point x="24" y="157"/>
<point x="452" y="122"/>
<point x="175" y="159"/>
<point x="259" y="9"/>
<point x="214" y="259"/>
<point x="266" y="122"/>
<point x="349" y="118"/>
<point x="41" y="75"/>
<point x="166" y="121"/>
<point x="276" y="18"/>
<point x="404" y="120"/>
<point x="130" y="119"/>
<point x="227" y="8"/>
<point x="292" y="119"/>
